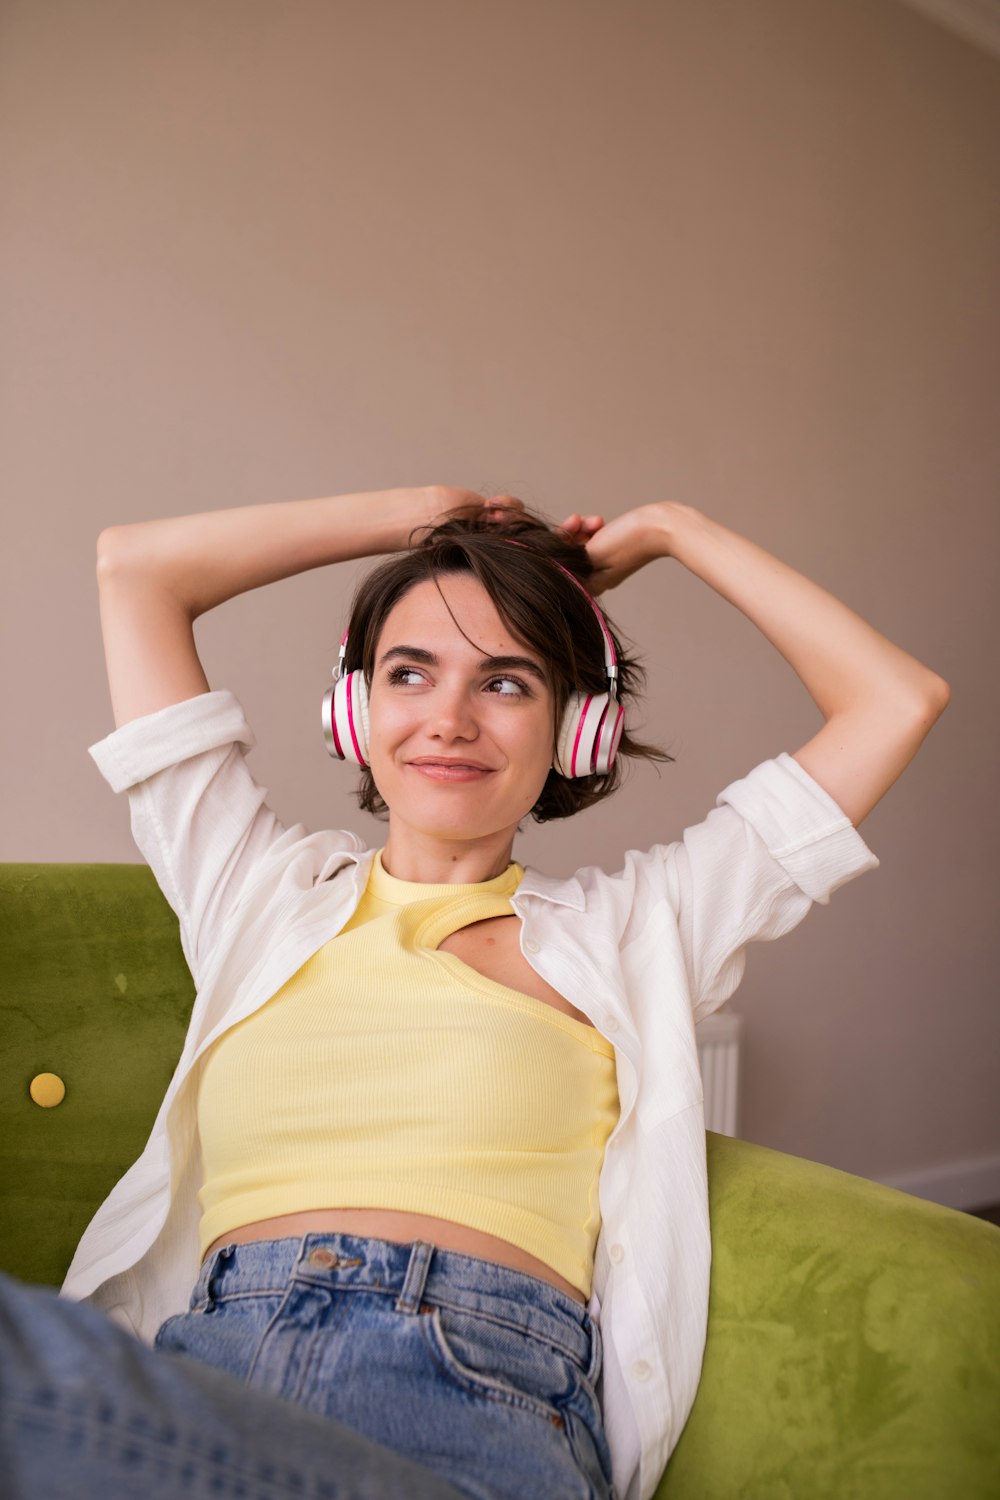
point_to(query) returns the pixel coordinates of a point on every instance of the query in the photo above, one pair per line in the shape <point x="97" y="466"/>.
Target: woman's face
<point x="461" y="735"/>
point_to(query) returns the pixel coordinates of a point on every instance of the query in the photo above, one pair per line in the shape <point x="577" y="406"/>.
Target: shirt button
<point x="530" y="946"/>
<point x="47" y="1089"/>
<point x="610" y="1024"/>
<point x="617" y="1253"/>
<point x="641" y="1370"/>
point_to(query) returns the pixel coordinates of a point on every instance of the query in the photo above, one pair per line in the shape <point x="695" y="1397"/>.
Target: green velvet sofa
<point x="854" y="1332"/>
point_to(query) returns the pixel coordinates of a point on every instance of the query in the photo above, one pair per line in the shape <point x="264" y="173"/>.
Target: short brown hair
<point x="539" y="605"/>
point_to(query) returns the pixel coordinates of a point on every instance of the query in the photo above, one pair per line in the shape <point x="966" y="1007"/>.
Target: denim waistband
<point x="414" y="1274"/>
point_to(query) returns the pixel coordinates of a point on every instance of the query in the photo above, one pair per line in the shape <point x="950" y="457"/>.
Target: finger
<point x="499" y="509"/>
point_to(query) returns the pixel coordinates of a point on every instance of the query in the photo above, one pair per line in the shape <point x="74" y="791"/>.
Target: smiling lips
<point x="441" y="769"/>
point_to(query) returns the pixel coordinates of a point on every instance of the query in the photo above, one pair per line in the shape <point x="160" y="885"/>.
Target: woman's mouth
<point x="450" y="770"/>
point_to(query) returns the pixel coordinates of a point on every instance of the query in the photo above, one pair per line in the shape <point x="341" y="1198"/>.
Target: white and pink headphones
<point x="588" y="738"/>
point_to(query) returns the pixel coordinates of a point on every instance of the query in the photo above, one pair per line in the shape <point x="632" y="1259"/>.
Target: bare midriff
<point x="402" y="1227"/>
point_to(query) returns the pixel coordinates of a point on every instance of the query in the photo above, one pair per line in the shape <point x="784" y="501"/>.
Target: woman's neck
<point x="433" y="861"/>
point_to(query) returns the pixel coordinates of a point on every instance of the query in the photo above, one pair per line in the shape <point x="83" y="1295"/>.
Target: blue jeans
<point x="87" y="1412"/>
<point x="483" y="1375"/>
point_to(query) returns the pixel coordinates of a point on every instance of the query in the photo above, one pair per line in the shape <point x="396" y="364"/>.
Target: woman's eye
<point x="501" y="687"/>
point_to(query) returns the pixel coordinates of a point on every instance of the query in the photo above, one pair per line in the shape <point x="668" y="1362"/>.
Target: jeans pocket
<point x="500" y="1362"/>
<point x="227" y="1335"/>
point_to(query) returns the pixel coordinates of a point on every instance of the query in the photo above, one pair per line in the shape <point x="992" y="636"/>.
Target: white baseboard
<point x="973" y="1183"/>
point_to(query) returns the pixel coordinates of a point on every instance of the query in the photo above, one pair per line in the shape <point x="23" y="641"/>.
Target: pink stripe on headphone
<point x="350" y="722"/>
<point x="333" y="726"/>
<point x="595" y="758"/>
<point x="615" y="734"/>
<point x="579" y="731"/>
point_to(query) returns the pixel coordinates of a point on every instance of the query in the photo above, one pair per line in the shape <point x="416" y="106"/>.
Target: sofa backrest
<point x="95" y="991"/>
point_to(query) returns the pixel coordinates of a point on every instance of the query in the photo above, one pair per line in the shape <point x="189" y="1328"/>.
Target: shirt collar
<point x="560" y="891"/>
<point x="339" y="861"/>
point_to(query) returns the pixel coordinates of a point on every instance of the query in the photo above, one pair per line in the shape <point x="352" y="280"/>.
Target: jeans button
<point x="322" y="1259"/>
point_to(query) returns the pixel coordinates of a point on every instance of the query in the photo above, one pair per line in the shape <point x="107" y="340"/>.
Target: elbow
<point x="116" y="550"/>
<point x="905" y="718"/>
<point x="108" y="547"/>
<point x="913" y="716"/>
<point x="935" y="698"/>
<point x="912" y="707"/>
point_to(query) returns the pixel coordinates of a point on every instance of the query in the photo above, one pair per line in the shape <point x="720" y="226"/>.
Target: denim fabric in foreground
<point x="87" y="1412"/>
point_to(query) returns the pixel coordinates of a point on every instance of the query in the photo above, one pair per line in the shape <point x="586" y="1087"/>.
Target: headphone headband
<point x="610" y="659"/>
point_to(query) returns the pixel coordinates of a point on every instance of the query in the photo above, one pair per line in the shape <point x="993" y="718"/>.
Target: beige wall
<point x="735" y="252"/>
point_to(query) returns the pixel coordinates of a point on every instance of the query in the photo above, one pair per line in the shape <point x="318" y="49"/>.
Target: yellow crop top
<point x="387" y="1074"/>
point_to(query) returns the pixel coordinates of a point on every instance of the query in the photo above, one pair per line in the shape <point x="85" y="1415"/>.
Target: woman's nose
<point x="453" y="715"/>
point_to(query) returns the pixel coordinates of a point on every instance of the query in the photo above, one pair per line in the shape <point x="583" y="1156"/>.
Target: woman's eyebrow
<point x="415" y="653"/>
<point x="517" y="663"/>
<point x="488" y="663"/>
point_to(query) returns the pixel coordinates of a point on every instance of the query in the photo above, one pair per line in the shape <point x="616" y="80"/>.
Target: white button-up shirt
<point x="644" y="953"/>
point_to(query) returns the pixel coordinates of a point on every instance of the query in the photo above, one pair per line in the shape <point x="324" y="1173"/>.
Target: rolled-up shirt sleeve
<point x="198" y="817"/>
<point x="775" y="843"/>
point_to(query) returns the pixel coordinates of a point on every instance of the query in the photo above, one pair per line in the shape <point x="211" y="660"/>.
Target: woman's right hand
<point x="448" y="501"/>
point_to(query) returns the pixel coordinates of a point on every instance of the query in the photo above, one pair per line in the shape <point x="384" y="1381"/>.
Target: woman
<point x="433" y="1156"/>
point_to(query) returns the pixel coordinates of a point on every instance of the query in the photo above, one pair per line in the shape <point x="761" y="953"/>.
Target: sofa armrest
<point x="853" y="1341"/>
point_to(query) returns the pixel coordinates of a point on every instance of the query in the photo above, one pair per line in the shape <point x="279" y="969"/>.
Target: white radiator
<point x="718" y="1039"/>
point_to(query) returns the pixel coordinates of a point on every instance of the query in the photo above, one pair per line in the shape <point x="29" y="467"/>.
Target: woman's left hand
<point x="618" y="547"/>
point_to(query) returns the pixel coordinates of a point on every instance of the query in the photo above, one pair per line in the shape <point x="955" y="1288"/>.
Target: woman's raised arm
<point x="157" y="577"/>
<point x="878" y="702"/>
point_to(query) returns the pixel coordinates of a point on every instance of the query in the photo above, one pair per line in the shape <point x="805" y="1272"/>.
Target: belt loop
<point x="209" y="1275"/>
<point x="415" y="1280"/>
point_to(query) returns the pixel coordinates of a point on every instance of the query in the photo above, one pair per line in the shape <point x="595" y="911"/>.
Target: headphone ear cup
<point x="583" y="747"/>
<point x="568" y="739"/>
<point x="345" y="718"/>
